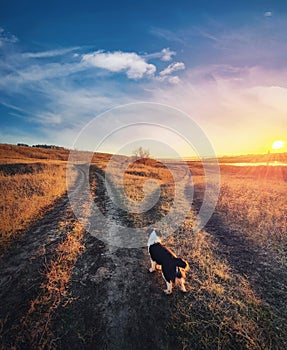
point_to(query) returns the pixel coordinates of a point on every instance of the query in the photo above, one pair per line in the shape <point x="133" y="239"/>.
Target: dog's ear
<point x="158" y="233"/>
<point x="149" y="231"/>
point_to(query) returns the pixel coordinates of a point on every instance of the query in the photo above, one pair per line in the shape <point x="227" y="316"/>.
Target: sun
<point x="278" y="144"/>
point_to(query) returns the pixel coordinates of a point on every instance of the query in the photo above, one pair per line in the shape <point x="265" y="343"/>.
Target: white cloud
<point x="7" y="37"/>
<point x="172" y="79"/>
<point x="167" y="54"/>
<point x="134" y="65"/>
<point x="173" y="67"/>
<point x="268" y="14"/>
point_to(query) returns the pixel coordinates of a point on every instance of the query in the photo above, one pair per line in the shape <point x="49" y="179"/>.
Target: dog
<point x="173" y="268"/>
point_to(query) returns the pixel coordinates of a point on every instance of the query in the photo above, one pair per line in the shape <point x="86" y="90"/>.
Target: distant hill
<point x="255" y="158"/>
<point x="24" y="153"/>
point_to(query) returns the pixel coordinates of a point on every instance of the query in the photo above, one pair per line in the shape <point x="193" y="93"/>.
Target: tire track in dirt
<point x="132" y="307"/>
<point x="118" y="303"/>
<point x="22" y="268"/>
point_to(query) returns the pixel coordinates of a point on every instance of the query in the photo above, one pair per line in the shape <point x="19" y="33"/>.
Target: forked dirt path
<point x="115" y="302"/>
<point x="119" y="304"/>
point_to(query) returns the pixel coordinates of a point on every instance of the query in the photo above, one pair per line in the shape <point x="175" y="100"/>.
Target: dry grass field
<point x="25" y="196"/>
<point x="73" y="291"/>
<point x="238" y="265"/>
<point x="31" y="180"/>
<point x="255" y="204"/>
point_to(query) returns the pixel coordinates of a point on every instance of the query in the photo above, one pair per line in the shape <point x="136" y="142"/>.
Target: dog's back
<point x="167" y="259"/>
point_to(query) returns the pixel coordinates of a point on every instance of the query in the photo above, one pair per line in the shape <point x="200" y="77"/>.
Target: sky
<point x="65" y="65"/>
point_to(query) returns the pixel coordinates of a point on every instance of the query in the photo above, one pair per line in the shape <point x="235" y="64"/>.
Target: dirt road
<point x="115" y="302"/>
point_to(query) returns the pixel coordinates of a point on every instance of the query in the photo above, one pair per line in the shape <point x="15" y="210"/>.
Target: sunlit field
<point x="254" y="202"/>
<point x="26" y="194"/>
<point x="31" y="180"/>
<point x="229" y="304"/>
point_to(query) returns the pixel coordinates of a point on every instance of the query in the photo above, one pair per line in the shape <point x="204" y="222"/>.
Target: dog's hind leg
<point x="153" y="264"/>
<point x="182" y="286"/>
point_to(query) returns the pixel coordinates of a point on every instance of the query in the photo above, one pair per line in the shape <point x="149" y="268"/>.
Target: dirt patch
<point x="117" y="301"/>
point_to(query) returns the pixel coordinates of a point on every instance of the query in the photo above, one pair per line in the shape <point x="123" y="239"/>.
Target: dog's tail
<point x="181" y="267"/>
<point x="181" y="263"/>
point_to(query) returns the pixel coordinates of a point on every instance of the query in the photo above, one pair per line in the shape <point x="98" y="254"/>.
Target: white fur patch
<point x="153" y="238"/>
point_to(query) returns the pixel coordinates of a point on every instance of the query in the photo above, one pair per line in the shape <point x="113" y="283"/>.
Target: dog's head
<point x="153" y="238"/>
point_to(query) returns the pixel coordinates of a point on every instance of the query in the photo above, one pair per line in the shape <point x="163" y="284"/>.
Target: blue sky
<point x="224" y="63"/>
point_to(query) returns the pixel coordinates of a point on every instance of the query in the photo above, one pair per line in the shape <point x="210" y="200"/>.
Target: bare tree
<point x="141" y="153"/>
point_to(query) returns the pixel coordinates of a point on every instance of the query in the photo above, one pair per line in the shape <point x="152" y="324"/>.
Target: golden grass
<point x="257" y="208"/>
<point x="220" y="311"/>
<point x="36" y="325"/>
<point x="137" y="175"/>
<point x="25" y="196"/>
<point x="31" y="179"/>
<point x="20" y="154"/>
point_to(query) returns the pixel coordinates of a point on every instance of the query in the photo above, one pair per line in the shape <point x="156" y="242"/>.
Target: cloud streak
<point x="50" y="53"/>
<point x="165" y="55"/>
<point x="173" y="67"/>
<point x="168" y="35"/>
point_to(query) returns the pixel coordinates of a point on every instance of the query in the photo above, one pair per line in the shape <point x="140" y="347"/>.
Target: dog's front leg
<point x="168" y="289"/>
<point x="153" y="264"/>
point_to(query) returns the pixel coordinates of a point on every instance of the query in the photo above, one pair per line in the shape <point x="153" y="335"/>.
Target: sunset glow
<point x="278" y="144"/>
<point x="223" y="66"/>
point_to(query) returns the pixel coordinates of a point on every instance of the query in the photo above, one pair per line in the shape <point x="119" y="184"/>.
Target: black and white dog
<point x="173" y="268"/>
